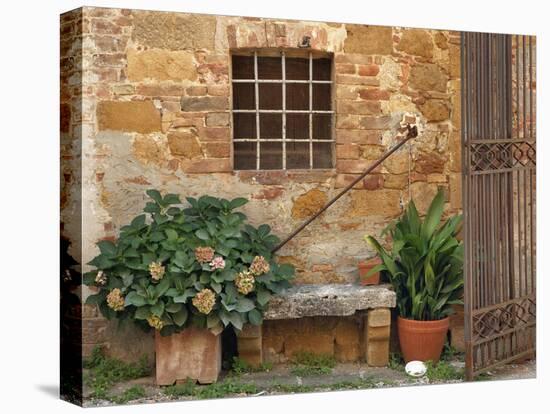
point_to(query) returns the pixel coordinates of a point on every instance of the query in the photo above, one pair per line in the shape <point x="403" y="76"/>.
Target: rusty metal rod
<point x="412" y="132"/>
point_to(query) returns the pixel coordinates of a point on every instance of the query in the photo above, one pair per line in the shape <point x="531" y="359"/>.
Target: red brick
<point x="345" y="106"/>
<point x="368" y="70"/>
<point x="373" y="182"/>
<point x="218" y="90"/>
<point x="215" y="134"/>
<point x="345" y="68"/>
<point x="357" y="80"/>
<point x="160" y="90"/>
<point x="217" y="149"/>
<point x="357" y="136"/>
<point x="355" y="166"/>
<point x="196" y="90"/>
<point x="105" y="27"/>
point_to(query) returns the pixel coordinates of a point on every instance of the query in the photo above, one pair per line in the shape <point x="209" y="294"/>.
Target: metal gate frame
<point x="499" y="176"/>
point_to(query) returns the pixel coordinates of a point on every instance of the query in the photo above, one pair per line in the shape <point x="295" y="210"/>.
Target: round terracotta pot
<point x="422" y="340"/>
<point x="364" y="268"/>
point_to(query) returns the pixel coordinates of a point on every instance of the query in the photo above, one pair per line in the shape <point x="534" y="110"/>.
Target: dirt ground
<point x="280" y="380"/>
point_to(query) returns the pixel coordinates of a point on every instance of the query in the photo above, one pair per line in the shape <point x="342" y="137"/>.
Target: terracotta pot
<point x="194" y="353"/>
<point x="365" y="267"/>
<point x="422" y="340"/>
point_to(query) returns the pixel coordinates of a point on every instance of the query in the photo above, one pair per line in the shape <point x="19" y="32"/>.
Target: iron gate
<point x="499" y="156"/>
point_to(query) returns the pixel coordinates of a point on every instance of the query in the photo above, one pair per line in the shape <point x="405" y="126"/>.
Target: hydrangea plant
<point x="199" y="264"/>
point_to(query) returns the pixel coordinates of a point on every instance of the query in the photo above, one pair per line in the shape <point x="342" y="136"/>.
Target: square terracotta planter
<point x="194" y="353"/>
<point x="365" y="267"/>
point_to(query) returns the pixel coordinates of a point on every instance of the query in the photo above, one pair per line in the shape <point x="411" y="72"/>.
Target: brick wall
<point x="123" y="118"/>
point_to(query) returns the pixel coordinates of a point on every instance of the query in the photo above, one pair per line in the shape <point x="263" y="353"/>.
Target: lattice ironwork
<point x="489" y="156"/>
<point x="513" y="315"/>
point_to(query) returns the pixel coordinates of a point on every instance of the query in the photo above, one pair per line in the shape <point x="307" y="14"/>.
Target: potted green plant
<point x="424" y="265"/>
<point x="188" y="273"/>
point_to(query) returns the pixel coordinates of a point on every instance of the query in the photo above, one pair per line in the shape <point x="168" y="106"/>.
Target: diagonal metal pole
<point x="412" y="132"/>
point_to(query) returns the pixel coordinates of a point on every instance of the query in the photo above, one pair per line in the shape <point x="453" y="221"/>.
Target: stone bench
<point x="371" y="304"/>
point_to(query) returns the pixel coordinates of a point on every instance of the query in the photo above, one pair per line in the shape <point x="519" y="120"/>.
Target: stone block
<point x="316" y="343"/>
<point x="428" y="77"/>
<point x="133" y="116"/>
<point x="377" y="337"/>
<point x="184" y="144"/>
<point x="204" y="103"/>
<point x="384" y="202"/>
<point x="308" y="203"/>
<point x="455" y="189"/>
<point x="416" y="42"/>
<point x="161" y="65"/>
<point x="435" y="110"/>
<point x="369" y="40"/>
<point x="194" y="353"/>
<point x="174" y="31"/>
<point x="347" y="340"/>
<point x="217" y="119"/>
<point x="249" y="344"/>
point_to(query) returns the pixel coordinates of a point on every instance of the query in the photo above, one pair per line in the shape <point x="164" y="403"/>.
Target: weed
<point x="396" y="362"/>
<point x="104" y="372"/>
<point x="308" y="363"/>
<point x="132" y="393"/>
<point x="240" y="366"/>
<point x="216" y="390"/>
<point x="443" y="371"/>
<point x="450" y="353"/>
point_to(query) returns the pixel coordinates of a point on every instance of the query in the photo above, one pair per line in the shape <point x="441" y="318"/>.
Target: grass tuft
<point x="104" y="372"/>
<point x="307" y="363"/>
<point x="240" y="366"/>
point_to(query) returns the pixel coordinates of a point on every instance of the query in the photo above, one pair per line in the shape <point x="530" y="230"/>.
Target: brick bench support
<point x="328" y="300"/>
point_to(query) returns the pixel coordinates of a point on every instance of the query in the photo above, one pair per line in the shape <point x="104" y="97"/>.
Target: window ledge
<point x="275" y="177"/>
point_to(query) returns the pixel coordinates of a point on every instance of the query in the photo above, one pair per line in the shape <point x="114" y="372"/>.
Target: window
<point x="282" y="111"/>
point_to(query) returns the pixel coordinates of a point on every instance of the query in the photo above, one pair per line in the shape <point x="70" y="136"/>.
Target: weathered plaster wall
<point x="155" y="95"/>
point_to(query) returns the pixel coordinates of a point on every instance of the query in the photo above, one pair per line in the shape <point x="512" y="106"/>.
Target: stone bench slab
<point x="328" y="300"/>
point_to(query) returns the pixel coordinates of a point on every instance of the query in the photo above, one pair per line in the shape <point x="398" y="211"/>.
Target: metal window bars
<point x="284" y="111"/>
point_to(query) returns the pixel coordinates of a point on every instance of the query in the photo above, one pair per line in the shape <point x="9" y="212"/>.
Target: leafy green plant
<point x="443" y="371"/>
<point x="132" y="393"/>
<point x="176" y="265"/>
<point x="240" y="366"/>
<point x="425" y="262"/>
<point x="104" y="372"/>
<point x="307" y="363"/>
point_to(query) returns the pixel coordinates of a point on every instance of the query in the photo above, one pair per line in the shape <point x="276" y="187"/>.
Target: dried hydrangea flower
<point x="217" y="263"/>
<point x="204" y="254"/>
<point x="115" y="300"/>
<point x="204" y="301"/>
<point x="101" y="278"/>
<point x="155" y="322"/>
<point x="259" y="266"/>
<point x="157" y="270"/>
<point x="245" y="282"/>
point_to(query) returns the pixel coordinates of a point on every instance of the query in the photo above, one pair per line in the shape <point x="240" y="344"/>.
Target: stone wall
<point x="122" y="118"/>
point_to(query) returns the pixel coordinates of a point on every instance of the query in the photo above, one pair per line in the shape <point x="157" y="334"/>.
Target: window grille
<point x="282" y="112"/>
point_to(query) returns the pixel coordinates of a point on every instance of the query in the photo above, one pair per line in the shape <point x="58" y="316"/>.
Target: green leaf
<point x="255" y="317"/>
<point x="237" y="202"/>
<point x="244" y="305"/>
<point x="171" y="199"/>
<point x="107" y="248"/>
<point x="202" y="234"/>
<point x="158" y="308"/>
<point x="127" y="280"/>
<point x="236" y="320"/>
<point x="133" y="298"/>
<point x="171" y="234"/>
<point x="142" y="313"/>
<point x="95" y="299"/>
<point x="186" y="295"/>
<point x="155" y="195"/>
<point x="180" y="317"/>
<point x="263" y="296"/>
<point x="433" y="216"/>
<point x="173" y="307"/>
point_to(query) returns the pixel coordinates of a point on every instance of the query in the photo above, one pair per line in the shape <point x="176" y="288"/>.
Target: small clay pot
<point x="422" y="340"/>
<point x="365" y="267"/>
